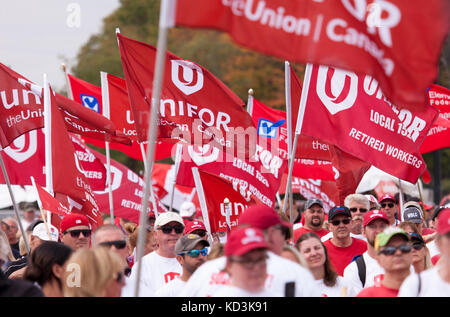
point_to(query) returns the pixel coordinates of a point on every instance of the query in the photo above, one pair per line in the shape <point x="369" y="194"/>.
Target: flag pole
<point x="287" y="85"/>
<point x="152" y="195"/>
<point x="250" y="101"/>
<point x="107" y="113"/>
<point x="177" y="166"/>
<point x="164" y="22"/>
<point x="68" y="85"/>
<point x="48" y="142"/>
<point x="227" y="204"/>
<point x="13" y="200"/>
<point x="40" y="207"/>
<point x="298" y="128"/>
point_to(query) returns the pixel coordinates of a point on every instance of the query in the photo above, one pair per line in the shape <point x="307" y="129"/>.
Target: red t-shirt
<point x="341" y="257"/>
<point x="299" y="231"/>
<point x="378" y="291"/>
<point x="427" y="231"/>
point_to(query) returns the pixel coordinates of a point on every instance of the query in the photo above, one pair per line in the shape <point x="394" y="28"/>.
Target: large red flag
<point x="48" y="203"/>
<point x="398" y="42"/>
<point x="350" y="111"/>
<point x="439" y="135"/>
<point x="194" y="106"/>
<point x="215" y="190"/>
<point x="261" y="176"/>
<point x="23" y="111"/>
<point x="67" y="172"/>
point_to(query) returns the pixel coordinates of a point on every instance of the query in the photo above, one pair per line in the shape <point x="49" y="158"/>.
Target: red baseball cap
<point x="443" y="225"/>
<point x="261" y="217"/>
<point x="374" y="214"/>
<point x="243" y="240"/>
<point x="191" y="226"/>
<point x="73" y="220"/>
<point x="387" y="196"/>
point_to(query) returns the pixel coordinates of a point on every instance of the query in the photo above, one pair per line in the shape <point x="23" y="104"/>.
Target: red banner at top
<point x="365" y="36"/>
<point x="351" y="112"/>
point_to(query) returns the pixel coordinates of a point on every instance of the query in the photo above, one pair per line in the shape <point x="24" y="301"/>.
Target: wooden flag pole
<point x="298" y="128"/>
<point x="13" y="200"/>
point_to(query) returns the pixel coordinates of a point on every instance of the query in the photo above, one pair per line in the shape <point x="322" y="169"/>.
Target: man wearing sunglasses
<point x="75" y="231"/>
<point x="358" y="205"/>
<point x="393" y="249"/>
<point x="389" y="206"/>
<point x="160" y="266"/>
<point x="112" y="237"/>
<point x="191" y="251"/>
<point x="342" y="248"/>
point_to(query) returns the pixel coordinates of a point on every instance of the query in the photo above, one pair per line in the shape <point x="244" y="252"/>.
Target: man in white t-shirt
<point x="191" y="252"/>
<point x="283" y="276"/>
<point x="434" y="282"/>
<point x="160" y="266"/>
<point x="359" y="205"/>
<point x="375" y="221"/>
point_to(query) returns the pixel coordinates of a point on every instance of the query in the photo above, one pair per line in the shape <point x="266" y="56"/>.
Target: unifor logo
<point x="90" y="102"/>
<point x="203" y="154"/>
<point x="336" y="88"/>
<point x="268" y="128"/>
<point x="187" y="76"/>
<point x="23" y="147"/>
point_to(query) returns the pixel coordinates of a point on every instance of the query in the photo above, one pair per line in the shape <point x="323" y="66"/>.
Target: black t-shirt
<point x="15" y="248"/>
<point x="18" y="288"/>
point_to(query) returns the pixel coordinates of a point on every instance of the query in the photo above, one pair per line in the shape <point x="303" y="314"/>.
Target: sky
<point x="37" y="36"/>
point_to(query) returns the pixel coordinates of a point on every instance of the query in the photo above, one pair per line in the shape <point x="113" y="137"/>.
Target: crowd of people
<point x="364" y="248"/>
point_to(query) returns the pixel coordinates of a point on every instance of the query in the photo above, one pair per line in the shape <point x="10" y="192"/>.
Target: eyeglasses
<point x="391" y="250"/>
<point x="249" y="263"/>
<point x="345" y="221"/>
<point x="195" y="253"/>
<point x="76" y="233"/>
<point x="390" y="205"/>
<point x="356" y="209"/>
<point x="200" y="233"/>
<point x="418" y="246"/>
<point x="118" y="244"/>
<point x="168" y="229"/>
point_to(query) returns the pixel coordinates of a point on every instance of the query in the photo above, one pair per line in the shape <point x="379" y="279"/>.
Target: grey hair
<point x="359" y="198"/>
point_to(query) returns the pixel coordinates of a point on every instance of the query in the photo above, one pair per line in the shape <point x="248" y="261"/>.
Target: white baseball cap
<point x="41" y="232"/>
<point x="187" y="209"/>
<point x="166" y="217"/>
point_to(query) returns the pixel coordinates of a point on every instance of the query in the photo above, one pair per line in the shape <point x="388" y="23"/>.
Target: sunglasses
<point x="356" y="209"/>
<point x="200" y="233"/>
<point x="195" y="253"/>
<point x="390" y="205"/>
<point x="76" y="233"/>
<point x="345" y="221"/>
<point x="118" y="244"/>
<point x="168" y="229"/>
<point x="418" y="246"/>
<point x="391" y="250"/>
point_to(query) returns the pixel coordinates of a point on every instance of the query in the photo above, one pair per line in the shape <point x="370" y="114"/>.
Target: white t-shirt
<point x="209" y="277"/>
<point x="432" y="285"/>
<point x="171" y="289"/>
<point x="155" y="272"/>
<point x="374" y="273"/>
<point x="233" y="291"/>
<point x="432" y="247"/>
<point x="332" y="291"/>
<point x="329" y="235"/>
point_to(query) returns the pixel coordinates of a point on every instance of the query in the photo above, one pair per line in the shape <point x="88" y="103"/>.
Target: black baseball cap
<point x="338" y="210"/>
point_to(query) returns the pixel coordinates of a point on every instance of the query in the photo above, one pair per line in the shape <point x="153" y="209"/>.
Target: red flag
<point x="67" y="172"/>
<point x="127" y="192"/>
<point x="261" y="175"/>
<point x="439" y="135"/>
<point x="216" y="190"/>
<point x="23" y="111"/>
<point x="350" y="111"/>
<point x="194" y="106"/>
<point x="48" y="203"/>
<point x="368" y="37"/>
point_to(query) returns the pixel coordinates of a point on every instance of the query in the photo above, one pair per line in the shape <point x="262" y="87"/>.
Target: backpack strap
<point x="361" y="269"/>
